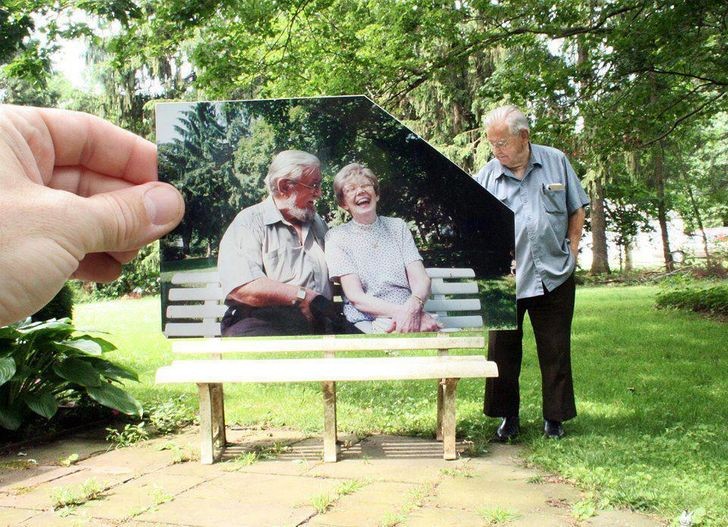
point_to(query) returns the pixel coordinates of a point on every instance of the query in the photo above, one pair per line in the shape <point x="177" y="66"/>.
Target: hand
<point x="305" y="305"/>
<point x="79" y="198"/>
<point x="407" y="318"/>
<point x="429" y="323"/>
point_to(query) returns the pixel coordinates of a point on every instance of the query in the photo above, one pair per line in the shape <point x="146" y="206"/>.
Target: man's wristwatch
<point x="300" y="296"/>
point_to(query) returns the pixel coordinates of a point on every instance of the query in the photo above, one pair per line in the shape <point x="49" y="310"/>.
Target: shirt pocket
<point x="280" y="264"/>
<point x="554" y="201"/>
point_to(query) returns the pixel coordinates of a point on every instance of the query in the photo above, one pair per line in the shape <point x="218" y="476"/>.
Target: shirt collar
<point x="271" y="214"/>
<point x="535" y="160"/>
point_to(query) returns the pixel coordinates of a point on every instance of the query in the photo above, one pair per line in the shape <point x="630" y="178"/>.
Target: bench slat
<point x="454" y="288"/>
<point x="462" y="322"/>
<point x="441" y="272"/>
<point x="192" y="329"/>
<point x="454" y="304"/>
<point x="196" y="311"/>
<point x="180" y="294"/>
<point x="341" y="369"/>
<point x="195" y="277"/>
<point x="267" y="345"/>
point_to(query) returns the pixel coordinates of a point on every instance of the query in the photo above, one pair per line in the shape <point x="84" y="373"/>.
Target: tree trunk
<point x="699" y="221"/>
<point x="628" y="262"/>
<point x="659" y="174"/>
<point x="600" y="258"/>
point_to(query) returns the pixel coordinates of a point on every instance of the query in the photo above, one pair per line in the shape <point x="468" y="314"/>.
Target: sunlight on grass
<point x="651" y="387"/>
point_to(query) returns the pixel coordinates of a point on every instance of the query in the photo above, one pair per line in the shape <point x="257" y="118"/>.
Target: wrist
<point x="419" y="302"/>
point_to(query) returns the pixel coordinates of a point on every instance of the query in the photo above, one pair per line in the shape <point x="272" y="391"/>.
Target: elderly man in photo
<point x="271" y="261"/>
<point x="539" y="185"/>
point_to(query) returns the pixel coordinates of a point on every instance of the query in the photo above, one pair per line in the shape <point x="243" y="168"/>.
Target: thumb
<point x="132" y="217"/>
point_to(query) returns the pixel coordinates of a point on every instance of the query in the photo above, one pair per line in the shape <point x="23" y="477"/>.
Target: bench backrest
<point x="196" y="302"/>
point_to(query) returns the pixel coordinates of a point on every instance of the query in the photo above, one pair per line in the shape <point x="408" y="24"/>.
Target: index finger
<point x="83" y="140"/>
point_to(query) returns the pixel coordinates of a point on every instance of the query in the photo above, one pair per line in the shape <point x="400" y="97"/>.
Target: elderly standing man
<point x="539" y="185"/>
<point x="271" y="262"/>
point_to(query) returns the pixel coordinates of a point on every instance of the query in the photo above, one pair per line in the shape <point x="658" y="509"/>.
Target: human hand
<point x="429" y="323"/>
<point x="408" y="317"/>
<point x="79" y="198"/>
<point x="305" y="305"/>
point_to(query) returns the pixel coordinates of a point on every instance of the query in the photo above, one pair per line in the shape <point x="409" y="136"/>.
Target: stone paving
<point x="277" y="478"/>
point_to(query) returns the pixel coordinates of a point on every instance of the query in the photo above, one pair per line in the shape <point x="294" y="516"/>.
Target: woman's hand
<point x="408" y="317"/>
<point x="429" y="323"/>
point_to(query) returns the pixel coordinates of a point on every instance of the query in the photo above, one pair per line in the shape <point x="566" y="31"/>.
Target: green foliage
<point x="127" y="436"/>
<point x="72" y="496"/>
<point x="712" y="300"/>
<point x="60" y="306"/>
<point x="43" y="364"/>
<point x="497" y="516"/>
<point x="139" y="277"/>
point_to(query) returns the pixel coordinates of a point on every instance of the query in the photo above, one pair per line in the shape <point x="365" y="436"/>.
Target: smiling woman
<point x="375" y="258"/>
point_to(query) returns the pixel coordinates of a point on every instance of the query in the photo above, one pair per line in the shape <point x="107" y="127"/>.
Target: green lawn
<point x="652" y="396"/>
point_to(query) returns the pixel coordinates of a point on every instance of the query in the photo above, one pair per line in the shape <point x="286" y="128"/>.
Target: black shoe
<point x="508" y="429"/>
<point x="553" y="429"/>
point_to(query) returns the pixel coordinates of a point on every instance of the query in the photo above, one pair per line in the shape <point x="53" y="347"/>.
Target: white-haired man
<point x="539" y="185"/>
<point x="271" y="262"/>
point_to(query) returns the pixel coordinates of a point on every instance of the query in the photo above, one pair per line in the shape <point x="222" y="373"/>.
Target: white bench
<point x="196" y="302"/>
<point x="210" y="375"/>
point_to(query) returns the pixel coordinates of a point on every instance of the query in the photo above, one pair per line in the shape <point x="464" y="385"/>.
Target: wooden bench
<point x="201" y="320"/>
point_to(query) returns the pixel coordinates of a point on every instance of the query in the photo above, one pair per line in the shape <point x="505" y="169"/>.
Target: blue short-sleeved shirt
<point x="542" y="202"/>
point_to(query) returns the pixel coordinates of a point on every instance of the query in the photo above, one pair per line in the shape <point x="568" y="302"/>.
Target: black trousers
<point x="550" y="316"/>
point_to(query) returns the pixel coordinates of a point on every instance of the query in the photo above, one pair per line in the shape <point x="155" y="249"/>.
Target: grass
<point x="651" y="385"/>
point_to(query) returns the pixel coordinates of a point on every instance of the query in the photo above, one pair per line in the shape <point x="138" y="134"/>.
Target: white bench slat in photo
<point x="201" y="320"/>
<point x="454" y="301"/>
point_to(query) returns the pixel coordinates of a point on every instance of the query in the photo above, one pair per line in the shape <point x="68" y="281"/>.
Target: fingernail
<point x="162" y="204"/>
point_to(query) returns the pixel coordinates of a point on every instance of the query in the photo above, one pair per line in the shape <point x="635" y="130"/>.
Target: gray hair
<point x="290" y="164"/>
<point x="348" y="173"/>
<point x="509" y="115"/>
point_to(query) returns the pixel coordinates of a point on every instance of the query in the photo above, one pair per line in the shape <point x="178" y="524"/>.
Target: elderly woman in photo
<point x="376" y="261"/>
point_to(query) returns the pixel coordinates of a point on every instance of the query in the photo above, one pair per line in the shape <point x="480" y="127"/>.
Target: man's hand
<point x="79" y="196"/>
<point x="305" y="305"/>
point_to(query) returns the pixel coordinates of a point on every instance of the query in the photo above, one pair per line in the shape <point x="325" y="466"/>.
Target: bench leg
<point x="218" y="415"/>
<point x="207" y="450"/>
<point x="448" y="419"/>
<point x="440" y="390"/>
<point x="329" y="390"/>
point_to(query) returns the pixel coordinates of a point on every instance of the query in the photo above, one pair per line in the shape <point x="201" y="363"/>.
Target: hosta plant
<point x="44" y="364"/>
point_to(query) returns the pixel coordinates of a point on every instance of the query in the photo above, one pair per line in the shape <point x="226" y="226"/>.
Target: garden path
<point x="380" y="481"/>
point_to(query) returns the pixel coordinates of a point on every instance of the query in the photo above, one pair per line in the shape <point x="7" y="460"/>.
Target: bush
<point x="138" y="277"/>
<point x="61" y="306"/>
<point x="45" y="364"/>
<point x="712" y="300"/>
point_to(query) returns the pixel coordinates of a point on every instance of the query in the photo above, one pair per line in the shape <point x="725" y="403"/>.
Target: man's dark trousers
<point x="550" y="316"/>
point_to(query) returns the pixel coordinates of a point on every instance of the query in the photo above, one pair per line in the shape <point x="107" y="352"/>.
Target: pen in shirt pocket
<point x="554" y="187"/>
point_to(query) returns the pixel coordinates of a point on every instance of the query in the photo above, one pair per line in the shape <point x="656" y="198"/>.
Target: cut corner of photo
<point x="283" y="194"/>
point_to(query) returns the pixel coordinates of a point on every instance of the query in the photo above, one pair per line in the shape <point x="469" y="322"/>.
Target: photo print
<point x="324" y="215"/>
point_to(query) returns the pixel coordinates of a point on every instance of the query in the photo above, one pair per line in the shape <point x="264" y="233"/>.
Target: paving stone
<point x="53" y="453"/>
<point x="10" y="516"/>
<point x="19" y="480"/>
<point x="139" y="495"/>
<point x="257" y="500"/>
<point x="54" y="519"/>
<point x="441" y="517"/>
<point x="138" y="459"/>
<point x="356" y="515"/>
<point x="41" y="497"/>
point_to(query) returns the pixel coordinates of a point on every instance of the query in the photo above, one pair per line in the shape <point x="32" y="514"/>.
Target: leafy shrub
<point x="61" y="306"/>
<point x="140" y="276"/>
<point x="712" y="300"/>
<point x="43" y="364"/>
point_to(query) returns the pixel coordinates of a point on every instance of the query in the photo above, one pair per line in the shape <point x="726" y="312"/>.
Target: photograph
<point x="324" y="215"/>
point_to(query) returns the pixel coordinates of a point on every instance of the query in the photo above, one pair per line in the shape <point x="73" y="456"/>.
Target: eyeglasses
<point x="315" y="187"/>
<point x="499" y="144"/>
<point x="351" y="190"/>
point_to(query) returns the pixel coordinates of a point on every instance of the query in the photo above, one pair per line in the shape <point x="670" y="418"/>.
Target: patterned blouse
<point x="378" y="254"/>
